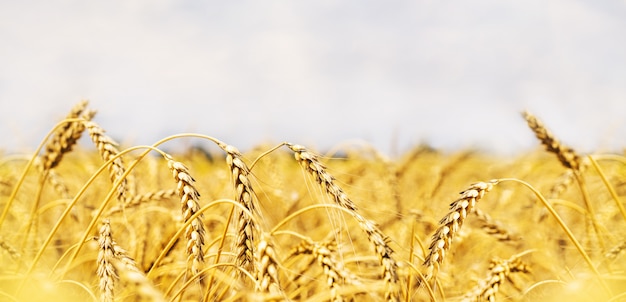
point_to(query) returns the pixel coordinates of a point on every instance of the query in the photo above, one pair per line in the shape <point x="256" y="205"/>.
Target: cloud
<point x="453" y="74"/>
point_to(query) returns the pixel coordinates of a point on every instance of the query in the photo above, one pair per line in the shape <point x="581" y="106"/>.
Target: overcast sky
<point x="320" y="73"/>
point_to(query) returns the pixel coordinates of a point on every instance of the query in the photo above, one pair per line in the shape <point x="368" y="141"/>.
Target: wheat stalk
<point x="189" y="201"/>
<point x="313" y="165"/>
<point x="450" y="224"/>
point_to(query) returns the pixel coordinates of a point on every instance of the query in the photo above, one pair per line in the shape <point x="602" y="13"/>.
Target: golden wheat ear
<point x="113" y="259"/>
<point x="570" y="159"/>
<point x="189" y="201"/>
<point x="499" y="272"/>
<point x="566" y="155"/>
<point x="314" y="166"/>
<point x="495" y="228"/>
<point x="66" y="136"/>
<point x="244" y="194"/>
<point x="106" y="272"/>
<point x="108" y="151"/>
<point x="323" y="254"/>
<point x="268" y="266"/>
<point x="450" y="224"/>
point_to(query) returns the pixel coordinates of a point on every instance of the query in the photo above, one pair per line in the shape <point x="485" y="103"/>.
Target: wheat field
<point x="90" y="220"/>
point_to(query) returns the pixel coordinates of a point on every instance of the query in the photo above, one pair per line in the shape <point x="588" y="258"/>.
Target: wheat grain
<point x="494" y="228"/>
<point x="128" y="272"/>
<point x="137" y="283"/>
<point x="189" y="201"/>
<point x="113" y="259"/>
<point x="137" y="200"/>
<point x="322" y="253"/>
<point x="108" y="150"/>
<point x="615" y="251"/>
<point x="267" y="266"/>
<point x="450" y="224"/>
<point x="106" y="272"/>
<point x="313" y="165"/>
<point x="570" y="159"/>
<point x="65" y="137"/>
<point x="566" y="155"/>
<point x="244" y="194"/>
<point x="58" y="184"/>
<point x="565" y="180"/>
<point x="15" y="255"/>
<point x="499" y="271"/>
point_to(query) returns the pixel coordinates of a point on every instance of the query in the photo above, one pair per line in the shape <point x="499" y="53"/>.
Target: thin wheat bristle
<point x="65" y="137"/>
<point x="189" y="200"/>
<point x="566" y="155"/>
<point x="450" y="224"/>
<point x="107" y="148"/>
<point x="314" y="166"/>
<point x="244" y="194"/>
<point x="499" y="271"/>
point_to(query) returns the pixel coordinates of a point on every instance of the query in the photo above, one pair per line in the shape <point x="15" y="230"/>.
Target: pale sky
<point x="319" y="73"/>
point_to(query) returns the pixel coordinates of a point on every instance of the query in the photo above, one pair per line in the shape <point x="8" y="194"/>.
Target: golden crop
<point x="287" y="223"/>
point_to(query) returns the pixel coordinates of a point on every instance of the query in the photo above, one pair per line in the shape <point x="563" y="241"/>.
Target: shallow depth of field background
<point x="319" y="73"/>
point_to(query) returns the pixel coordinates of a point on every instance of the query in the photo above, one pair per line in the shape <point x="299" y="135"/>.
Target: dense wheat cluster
<point x="94" y="221"/>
